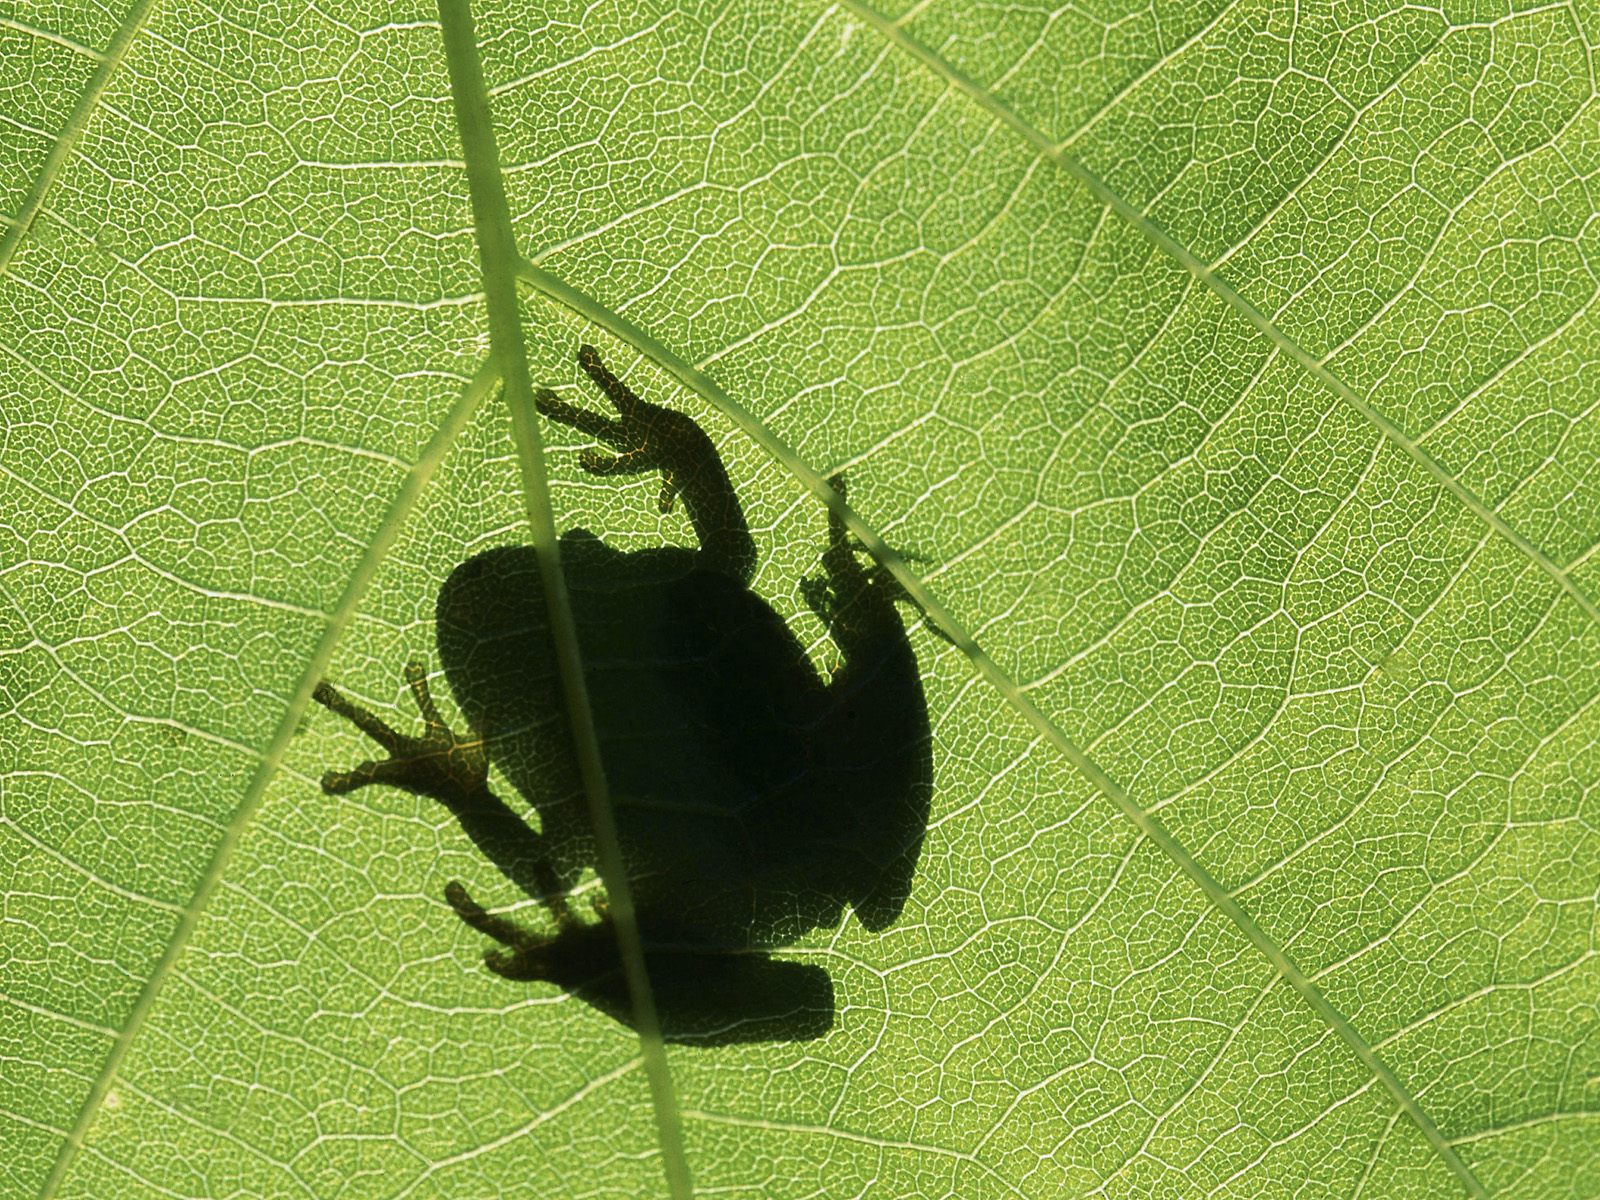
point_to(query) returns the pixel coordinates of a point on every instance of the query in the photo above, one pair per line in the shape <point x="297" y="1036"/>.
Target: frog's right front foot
<point x="845" y="582"/>
<point x="438" y="764"/>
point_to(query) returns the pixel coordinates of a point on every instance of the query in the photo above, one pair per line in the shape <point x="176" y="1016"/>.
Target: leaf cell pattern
<point x="1225" y="371"/>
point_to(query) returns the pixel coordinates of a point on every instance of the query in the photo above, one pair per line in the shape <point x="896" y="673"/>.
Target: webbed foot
<point x="438" y="764"/>
<point x="646" y="436"/>
<point x="853" y="600"/>
<point x="577" y="952"/>
<point x="845" y="580"/>
<point x="453" y="771"/>
<point x="521" y="959"/>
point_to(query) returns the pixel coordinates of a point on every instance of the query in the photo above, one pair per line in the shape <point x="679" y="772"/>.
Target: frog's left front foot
<point x="438" y="764"/>
<point x="646" y="436"/>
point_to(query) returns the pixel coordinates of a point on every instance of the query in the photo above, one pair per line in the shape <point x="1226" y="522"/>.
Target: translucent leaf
<point x="1222" y="379"/>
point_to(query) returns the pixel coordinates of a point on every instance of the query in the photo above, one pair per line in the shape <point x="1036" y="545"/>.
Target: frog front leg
<point x="856" y="603"/>
<point x="453" y="771"/>
<point x="648" y="437"/>
<point x="875" y="733"/>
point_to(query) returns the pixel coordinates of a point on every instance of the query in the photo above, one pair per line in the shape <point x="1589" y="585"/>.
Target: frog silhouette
<point x="754" y="800"/>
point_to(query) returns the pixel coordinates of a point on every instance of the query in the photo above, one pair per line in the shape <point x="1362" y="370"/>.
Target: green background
<point x="1227" y="372"/>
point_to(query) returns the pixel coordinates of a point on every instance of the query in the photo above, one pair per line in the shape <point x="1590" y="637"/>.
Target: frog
<point x="755" y="798"/>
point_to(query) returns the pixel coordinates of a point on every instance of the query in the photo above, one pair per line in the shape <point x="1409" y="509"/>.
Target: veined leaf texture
<point x="1219" y="379"/>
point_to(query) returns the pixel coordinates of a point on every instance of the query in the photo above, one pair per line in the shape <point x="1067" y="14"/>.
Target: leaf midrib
<point x="556" y="289"/>
<point x="498" y="257"/>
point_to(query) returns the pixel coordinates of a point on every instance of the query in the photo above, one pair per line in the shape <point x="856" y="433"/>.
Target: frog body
<point x="753" y="799"/>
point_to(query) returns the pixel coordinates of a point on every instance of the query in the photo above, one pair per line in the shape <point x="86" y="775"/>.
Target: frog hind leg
<point x="526" y="955"/>
<point x="453" y="771"/>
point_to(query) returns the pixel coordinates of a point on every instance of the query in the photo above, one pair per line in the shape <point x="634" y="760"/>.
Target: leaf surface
<point x="1224" y="376"/>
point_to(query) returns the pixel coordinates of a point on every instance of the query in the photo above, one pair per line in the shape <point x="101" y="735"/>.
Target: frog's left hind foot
<point x="578" y="953"/>
<point x="438" y="764"/>
<point x="522" y="958"/>
<point x="453" y="771"/>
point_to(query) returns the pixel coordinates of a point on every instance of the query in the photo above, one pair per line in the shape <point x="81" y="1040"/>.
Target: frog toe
<point x="452" y="770"/>
<point x="573" y="416"/>
<point x="631" y="462"/>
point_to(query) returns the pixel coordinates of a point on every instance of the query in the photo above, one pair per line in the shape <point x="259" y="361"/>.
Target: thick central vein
<point x="498" y="255"/>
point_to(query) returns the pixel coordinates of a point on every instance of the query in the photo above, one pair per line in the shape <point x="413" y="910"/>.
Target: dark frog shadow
<point x="754" y="800"/>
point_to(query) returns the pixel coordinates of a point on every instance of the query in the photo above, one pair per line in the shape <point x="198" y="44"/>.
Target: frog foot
<point x="850" y="595"/>
<point x="845" y="579"/>
<point x="527" y="955"/>
<point x="438" y="764"/>
<point x="647" y="437"/>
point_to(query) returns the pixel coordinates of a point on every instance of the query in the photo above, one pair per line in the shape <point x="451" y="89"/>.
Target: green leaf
<point x="1224" y="378"/>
